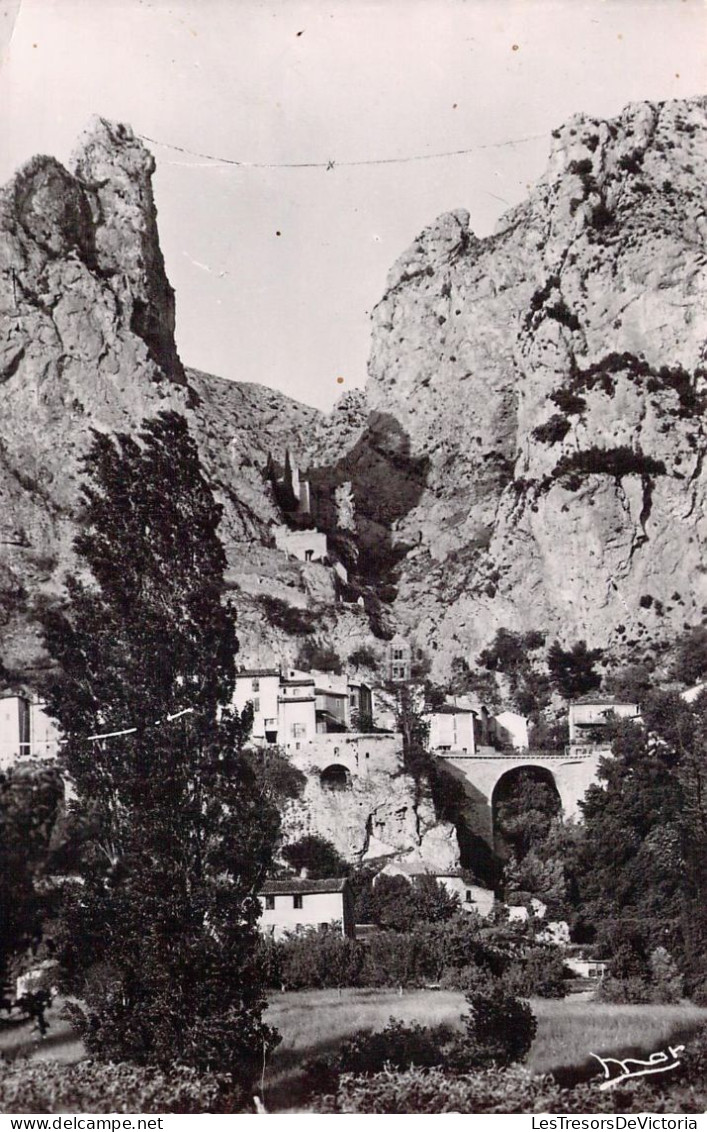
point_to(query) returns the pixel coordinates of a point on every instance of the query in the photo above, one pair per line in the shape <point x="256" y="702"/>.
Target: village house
<point x="399" y="659"/>
<point x="590" y="717"/>
<point x="293" y="904"/>
<point x="464" y="726"/>
<point x="291" y="707"/>
<point x="26" y="730"/>
<point x="309" y="545"/>
<point x="453" y="728"/>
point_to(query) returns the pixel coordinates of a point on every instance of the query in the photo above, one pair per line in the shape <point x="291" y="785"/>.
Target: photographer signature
<point x="659" y="1062"/>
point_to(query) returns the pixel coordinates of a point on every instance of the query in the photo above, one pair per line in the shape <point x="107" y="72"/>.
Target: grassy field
<point x="313" y="1023"/>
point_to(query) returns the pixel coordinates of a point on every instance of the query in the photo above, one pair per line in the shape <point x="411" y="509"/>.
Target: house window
<point x="398" y="671"/>
<point x="270" y="903"/>
<point x="398" y="654"/>
<point x="299" y="730"/>
<point x="468" y="896"/>
<point x="256" y="685"/>
<point x="297" y="900"/>
<point x="256" y="704"/>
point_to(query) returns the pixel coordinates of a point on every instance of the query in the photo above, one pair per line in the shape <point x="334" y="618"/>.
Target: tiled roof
<point x="293" y="885"/>
<point x="604" y="700"/>
<point x="258" y="672"/>
<point x="449" y="709"/>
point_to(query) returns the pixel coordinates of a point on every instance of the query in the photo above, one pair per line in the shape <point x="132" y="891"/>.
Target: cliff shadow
<point x="457" y="800"/>
<point x="387" y="482"/>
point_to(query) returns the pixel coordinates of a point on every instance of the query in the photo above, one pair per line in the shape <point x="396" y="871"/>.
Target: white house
<point x="590" y="716"/>
<point x="26" y="730"/>
<point x="291" y="707"/>
<point x="453" y="728"/>
<point x="512" y="728"/>
<point x="291" y="905"/>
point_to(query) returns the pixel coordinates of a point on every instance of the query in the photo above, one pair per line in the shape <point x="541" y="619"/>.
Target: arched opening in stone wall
<point x="524" y="803"/>
<point x="335" y="777"/>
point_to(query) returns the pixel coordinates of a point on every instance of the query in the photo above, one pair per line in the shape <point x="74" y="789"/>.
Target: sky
<point x="277" y="270"/>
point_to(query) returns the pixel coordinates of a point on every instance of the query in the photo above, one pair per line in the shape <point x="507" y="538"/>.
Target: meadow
<point x="314" y="1023"/>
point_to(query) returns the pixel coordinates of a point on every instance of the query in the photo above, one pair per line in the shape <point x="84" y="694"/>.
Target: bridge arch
<point x="335" y="777"/>
<point x="524" y="801"/>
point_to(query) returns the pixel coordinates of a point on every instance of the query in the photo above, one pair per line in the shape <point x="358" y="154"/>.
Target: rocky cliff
<point x="87" y="342"/>
<point x="549" y="383"/>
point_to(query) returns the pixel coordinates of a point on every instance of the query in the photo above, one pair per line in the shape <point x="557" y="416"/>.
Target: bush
<point x="90" y="1086"/>
<point x="499" y="1027"/>
<point x="513" y="1090"/>
<point x="319" y="957"/>
<point x="553" y="430"/>
<point x="321" y="658"/>
<point x="633" y="990"/>
<point x="568" y="401"/>
<point x="317" y="855"/>
<point x="363" y="657"/>
<point x="288" y="617"/>
<point x="397" y="1045"/>
<point x="540" y="972"/>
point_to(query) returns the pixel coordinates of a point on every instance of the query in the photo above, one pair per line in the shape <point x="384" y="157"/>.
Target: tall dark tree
<point x="572" y="670"/>
<point x="644" y="848"/>
<point x="30" y="798"/>
<point x="160" y="940"/>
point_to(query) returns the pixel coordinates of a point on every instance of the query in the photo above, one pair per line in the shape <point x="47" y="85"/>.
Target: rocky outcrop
<point x="383" y="817"/>
<point x="550" y="381"/>
<point x="87" y="342"/>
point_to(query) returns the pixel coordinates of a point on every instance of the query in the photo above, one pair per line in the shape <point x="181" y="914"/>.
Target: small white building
<point x="587" y="968"/>
<point x="26" y="730"/>
<point x="261" y="688"/>
<point x="291" y="905"/>
<point x="590" y="716"/>
<point x="511" y="729"/>
<point x="453" y="728"/>
<point x="308" y="545"/>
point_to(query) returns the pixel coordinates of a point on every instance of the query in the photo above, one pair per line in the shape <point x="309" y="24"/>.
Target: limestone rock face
<point x="381" y="817"/>
<point x="551" y="378"/>
<point x="87" y="342"/>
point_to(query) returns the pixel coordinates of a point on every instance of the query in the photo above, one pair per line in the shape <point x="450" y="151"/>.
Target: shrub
<point x="691" y="655"/>
<point x="553" y="430"/>
<point x="617" y="462"/>
<point x="317" y="855"/>
<point x="319" y="957"/>
<point x="665" y="976"/>
<point x="397" y="1045"/>
<point x="90" y="1086"/>
<point x="513" y="1090"/>
<point x="540" y="972"/>
<point x="499" y="1027"/>
<point x="363" y="657"/>
<point x="568" y="401"/>
<point x="632" y="989"/>
<point x="321" y="658"/>
<point x="287" y="617"/>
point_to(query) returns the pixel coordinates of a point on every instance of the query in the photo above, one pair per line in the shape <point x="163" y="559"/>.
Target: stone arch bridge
<point x="480" y="774"/>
